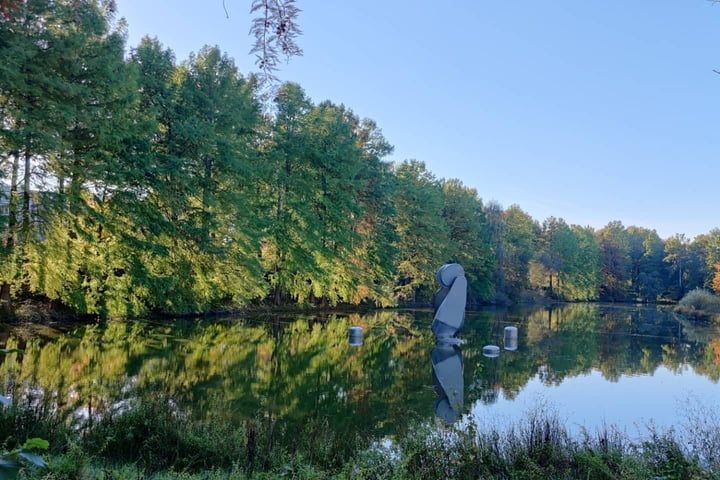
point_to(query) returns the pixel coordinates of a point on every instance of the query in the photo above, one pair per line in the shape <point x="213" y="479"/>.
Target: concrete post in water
<point x="511" y="338"/>
<point x="356" y="336"/>
<point x="491" y="351"/>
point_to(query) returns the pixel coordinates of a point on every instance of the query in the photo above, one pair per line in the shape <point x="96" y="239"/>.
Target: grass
<point x="153" y="440"/>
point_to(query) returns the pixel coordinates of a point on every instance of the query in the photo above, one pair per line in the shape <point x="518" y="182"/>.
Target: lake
<point x="592" y="364"/>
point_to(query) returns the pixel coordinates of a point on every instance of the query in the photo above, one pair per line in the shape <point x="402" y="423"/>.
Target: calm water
<point x="592" y="364"/>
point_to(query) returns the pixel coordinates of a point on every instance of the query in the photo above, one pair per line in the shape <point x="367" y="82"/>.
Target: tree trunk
<point x="208" y="161"/>
<point x="550" y="291"/>
<point x="12" y="203"/>
<point x="26" y="199"/>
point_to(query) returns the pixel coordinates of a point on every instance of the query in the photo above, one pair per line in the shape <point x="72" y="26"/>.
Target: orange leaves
<point x="716" y="279"/>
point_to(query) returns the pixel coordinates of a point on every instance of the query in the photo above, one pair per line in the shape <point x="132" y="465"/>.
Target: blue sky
<point x="592" y="111"/>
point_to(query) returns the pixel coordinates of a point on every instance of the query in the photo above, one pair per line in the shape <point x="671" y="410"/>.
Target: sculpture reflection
<point x="446" y="357"/>
<point x="447" y="365"/>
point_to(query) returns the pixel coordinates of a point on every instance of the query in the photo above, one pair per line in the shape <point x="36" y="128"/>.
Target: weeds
<point x="153" y="439"/>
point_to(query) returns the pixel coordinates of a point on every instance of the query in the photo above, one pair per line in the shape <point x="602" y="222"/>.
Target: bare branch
<point x="275" y="30"/>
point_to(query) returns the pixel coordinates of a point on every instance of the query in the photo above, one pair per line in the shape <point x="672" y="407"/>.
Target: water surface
<point x="593" y="364"/>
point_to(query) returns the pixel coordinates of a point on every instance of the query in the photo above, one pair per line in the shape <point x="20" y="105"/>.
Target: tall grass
<point x="154" y="440"/>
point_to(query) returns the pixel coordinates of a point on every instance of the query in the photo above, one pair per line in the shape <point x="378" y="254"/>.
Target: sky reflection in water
<point x="590" y="401"/>
<point x="591" y="364"/>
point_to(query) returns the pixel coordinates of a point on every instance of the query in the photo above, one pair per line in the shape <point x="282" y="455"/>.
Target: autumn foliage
<point x="716" y="279"/>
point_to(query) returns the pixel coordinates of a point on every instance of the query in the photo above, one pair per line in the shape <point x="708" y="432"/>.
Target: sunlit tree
<point x="469" y="239"/>
<point x="423" y="244"/>
<point x="677" y="256"/>
<point x="615" y="261"/>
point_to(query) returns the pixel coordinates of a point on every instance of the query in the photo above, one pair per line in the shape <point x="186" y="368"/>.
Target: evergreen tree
<point x="69" y="123"/>
<point x="210" y="142"/>
<point x="292" y="232"/>
<point x="424" y="237"/>
<point x="520" y="235"/>
<point x="374" y="253"/>
<point x="336" y="158"/>
<point x="29" y="133"/>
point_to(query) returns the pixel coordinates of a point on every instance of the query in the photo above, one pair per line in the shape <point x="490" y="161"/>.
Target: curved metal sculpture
<point x="446" y="357"/>
<point x="450" y="302"/>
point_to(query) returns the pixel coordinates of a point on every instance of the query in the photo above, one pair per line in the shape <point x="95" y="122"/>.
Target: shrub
<point x="701" y="300"/>
<point x="667" y="459"/>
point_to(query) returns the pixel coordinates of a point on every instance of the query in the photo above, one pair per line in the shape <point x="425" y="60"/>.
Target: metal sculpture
<point x="446" y="357"/>
<point x="449" y="303"/>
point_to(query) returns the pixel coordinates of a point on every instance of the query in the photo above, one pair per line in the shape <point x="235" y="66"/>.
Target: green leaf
<point x="33" y="458"/>
<point x="40" y="443"/>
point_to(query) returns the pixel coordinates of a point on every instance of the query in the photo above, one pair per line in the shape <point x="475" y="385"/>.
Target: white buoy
<point x="511" y="338"/>
<point x="356" y="336"/>
<point x="491" y="351"/>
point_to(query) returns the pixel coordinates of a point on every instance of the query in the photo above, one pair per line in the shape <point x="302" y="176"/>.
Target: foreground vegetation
<point x="153" y="440"/>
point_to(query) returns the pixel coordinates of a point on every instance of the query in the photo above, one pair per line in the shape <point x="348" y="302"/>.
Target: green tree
<point x="336" y="159"/>
<point x="495" y="219"/>
<point x="71" y="128"/>
<point x="373" y="252"/>
<point x="569" y="256"/>
<point x="583" y="272"/>
<point x="29" y="54"/>
<point x="212" y="138"/>
<point x="706" y="249"/>
<point x="647" y="269"/>
<point x="677" y="254"/>
<point x="555" y="248"/>
<point x="615" y="261"/>
<point x="520" y="235"/>
<point x="424" y="238"/>
<point x="292" y="232"/>
<point x="469" y="239"/>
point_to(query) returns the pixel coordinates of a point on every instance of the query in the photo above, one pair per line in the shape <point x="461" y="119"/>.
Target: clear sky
<point x="592" y="111"/>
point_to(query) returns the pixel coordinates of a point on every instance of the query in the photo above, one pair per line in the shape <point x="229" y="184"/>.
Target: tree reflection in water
<point x="303" y="367"/>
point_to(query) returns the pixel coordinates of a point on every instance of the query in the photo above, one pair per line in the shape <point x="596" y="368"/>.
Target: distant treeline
<point x="133" y="184"/>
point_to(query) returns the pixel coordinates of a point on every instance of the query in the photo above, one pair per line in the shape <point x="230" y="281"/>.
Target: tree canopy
<point x="133" y="184"/>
